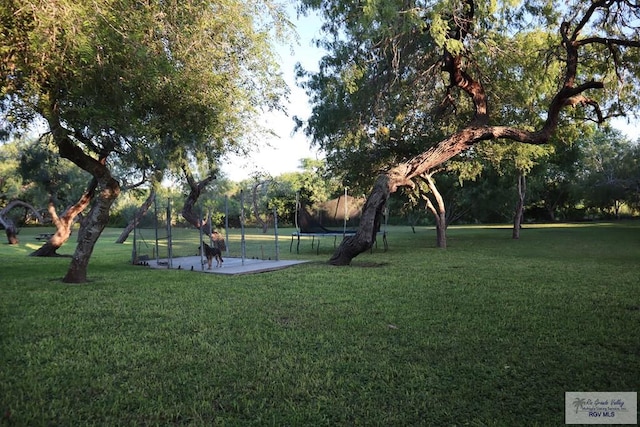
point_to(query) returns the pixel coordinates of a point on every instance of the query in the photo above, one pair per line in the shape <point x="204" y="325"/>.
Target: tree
<point x="11" y="187"/>
<point x="591" y="59"/>
<point x="126" y="79"/>
<point x="515" y="160"/>
<point x="189" y="213"/>
<point x="59" y="181"/>
<point x="632" y="170"/>
<point x="34" y="175"/>
<point x="438" y="210"/>
<point x="446" y="202"/>
<point x="610" y="176"/>
<point x="64" y="222"/>
<point x="143" y="208"/>
<point x="9" y="225"/>
<point x="556" y="182"/>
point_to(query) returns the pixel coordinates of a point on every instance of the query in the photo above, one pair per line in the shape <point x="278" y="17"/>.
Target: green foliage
<point x="10" y="180"/>
<point x="493" y="330"/>
<point x="610" y="175"/>
<point x="169" y="78"/>
<point x="32" y="171"/>
<point x="47" y="175"/>
<point x="312" y="185"/>
<point x="156" y="84"/>
<point x="358" y="128"/>
<point x="513" y="157"/>
<point x="380" y="99"/>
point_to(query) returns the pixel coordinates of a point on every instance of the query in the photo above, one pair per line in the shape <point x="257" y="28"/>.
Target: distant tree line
<point x="597" y="176"/>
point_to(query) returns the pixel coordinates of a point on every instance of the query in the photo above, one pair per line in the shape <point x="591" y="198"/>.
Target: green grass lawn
<point x="490" y="331"/>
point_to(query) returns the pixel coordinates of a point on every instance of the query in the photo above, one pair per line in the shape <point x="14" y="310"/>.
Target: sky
<point x="283" y="153"/>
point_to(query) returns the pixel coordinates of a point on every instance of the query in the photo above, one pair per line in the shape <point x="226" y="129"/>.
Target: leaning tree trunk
<point x="439" y="212"/>
<point x="570" y="94"/>
<point x="519" y="214"/>
<point x="413" y="220"/>
<point x="88" y="235"/>
<point x="11" y="231"/>
<point x="402" y="176"/>
<point x="108" y="187"/>
<point x="140" y="213"/>
<point x="65" y="222"/>
<point x="421" y="165"/>
<point x="188" y="210"/>
<point x="365" y="236"/>
<point x="9" y="225"/>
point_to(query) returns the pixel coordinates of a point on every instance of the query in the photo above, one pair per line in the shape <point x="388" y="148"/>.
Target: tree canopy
<point x="148" y="82"/>
<point x="410" y="85"/>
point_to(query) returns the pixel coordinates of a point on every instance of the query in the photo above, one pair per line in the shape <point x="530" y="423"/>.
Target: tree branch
<point x="19" y="203"/>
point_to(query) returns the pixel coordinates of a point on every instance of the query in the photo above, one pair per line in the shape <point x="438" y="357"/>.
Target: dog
<point x="211" y="253"/>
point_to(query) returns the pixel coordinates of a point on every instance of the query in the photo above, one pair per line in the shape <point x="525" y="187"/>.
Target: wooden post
<point x="275" y="230"/>
<point x="243" y="248"/>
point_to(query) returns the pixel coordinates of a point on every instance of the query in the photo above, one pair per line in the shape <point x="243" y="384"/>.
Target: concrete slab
<point x="230" y="266"/>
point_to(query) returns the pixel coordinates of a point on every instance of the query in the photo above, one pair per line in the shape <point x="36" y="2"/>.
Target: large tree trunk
<point x="617" y="205"/>
<point x="65" y="222"/>
<point x="519" y="213"/>
<point x="570" y="94"/>
<point x="402" y="176"/>
<point x="9" y="225"/>
<point x="11" y="231"/>
<point x="365" y="236"/>
<point x="88" y="235"/>
<point x="439" y="212"/>
<point x="140" y="213"/>
<point x="188" y="210"/>
<point x="108" y="187"/>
